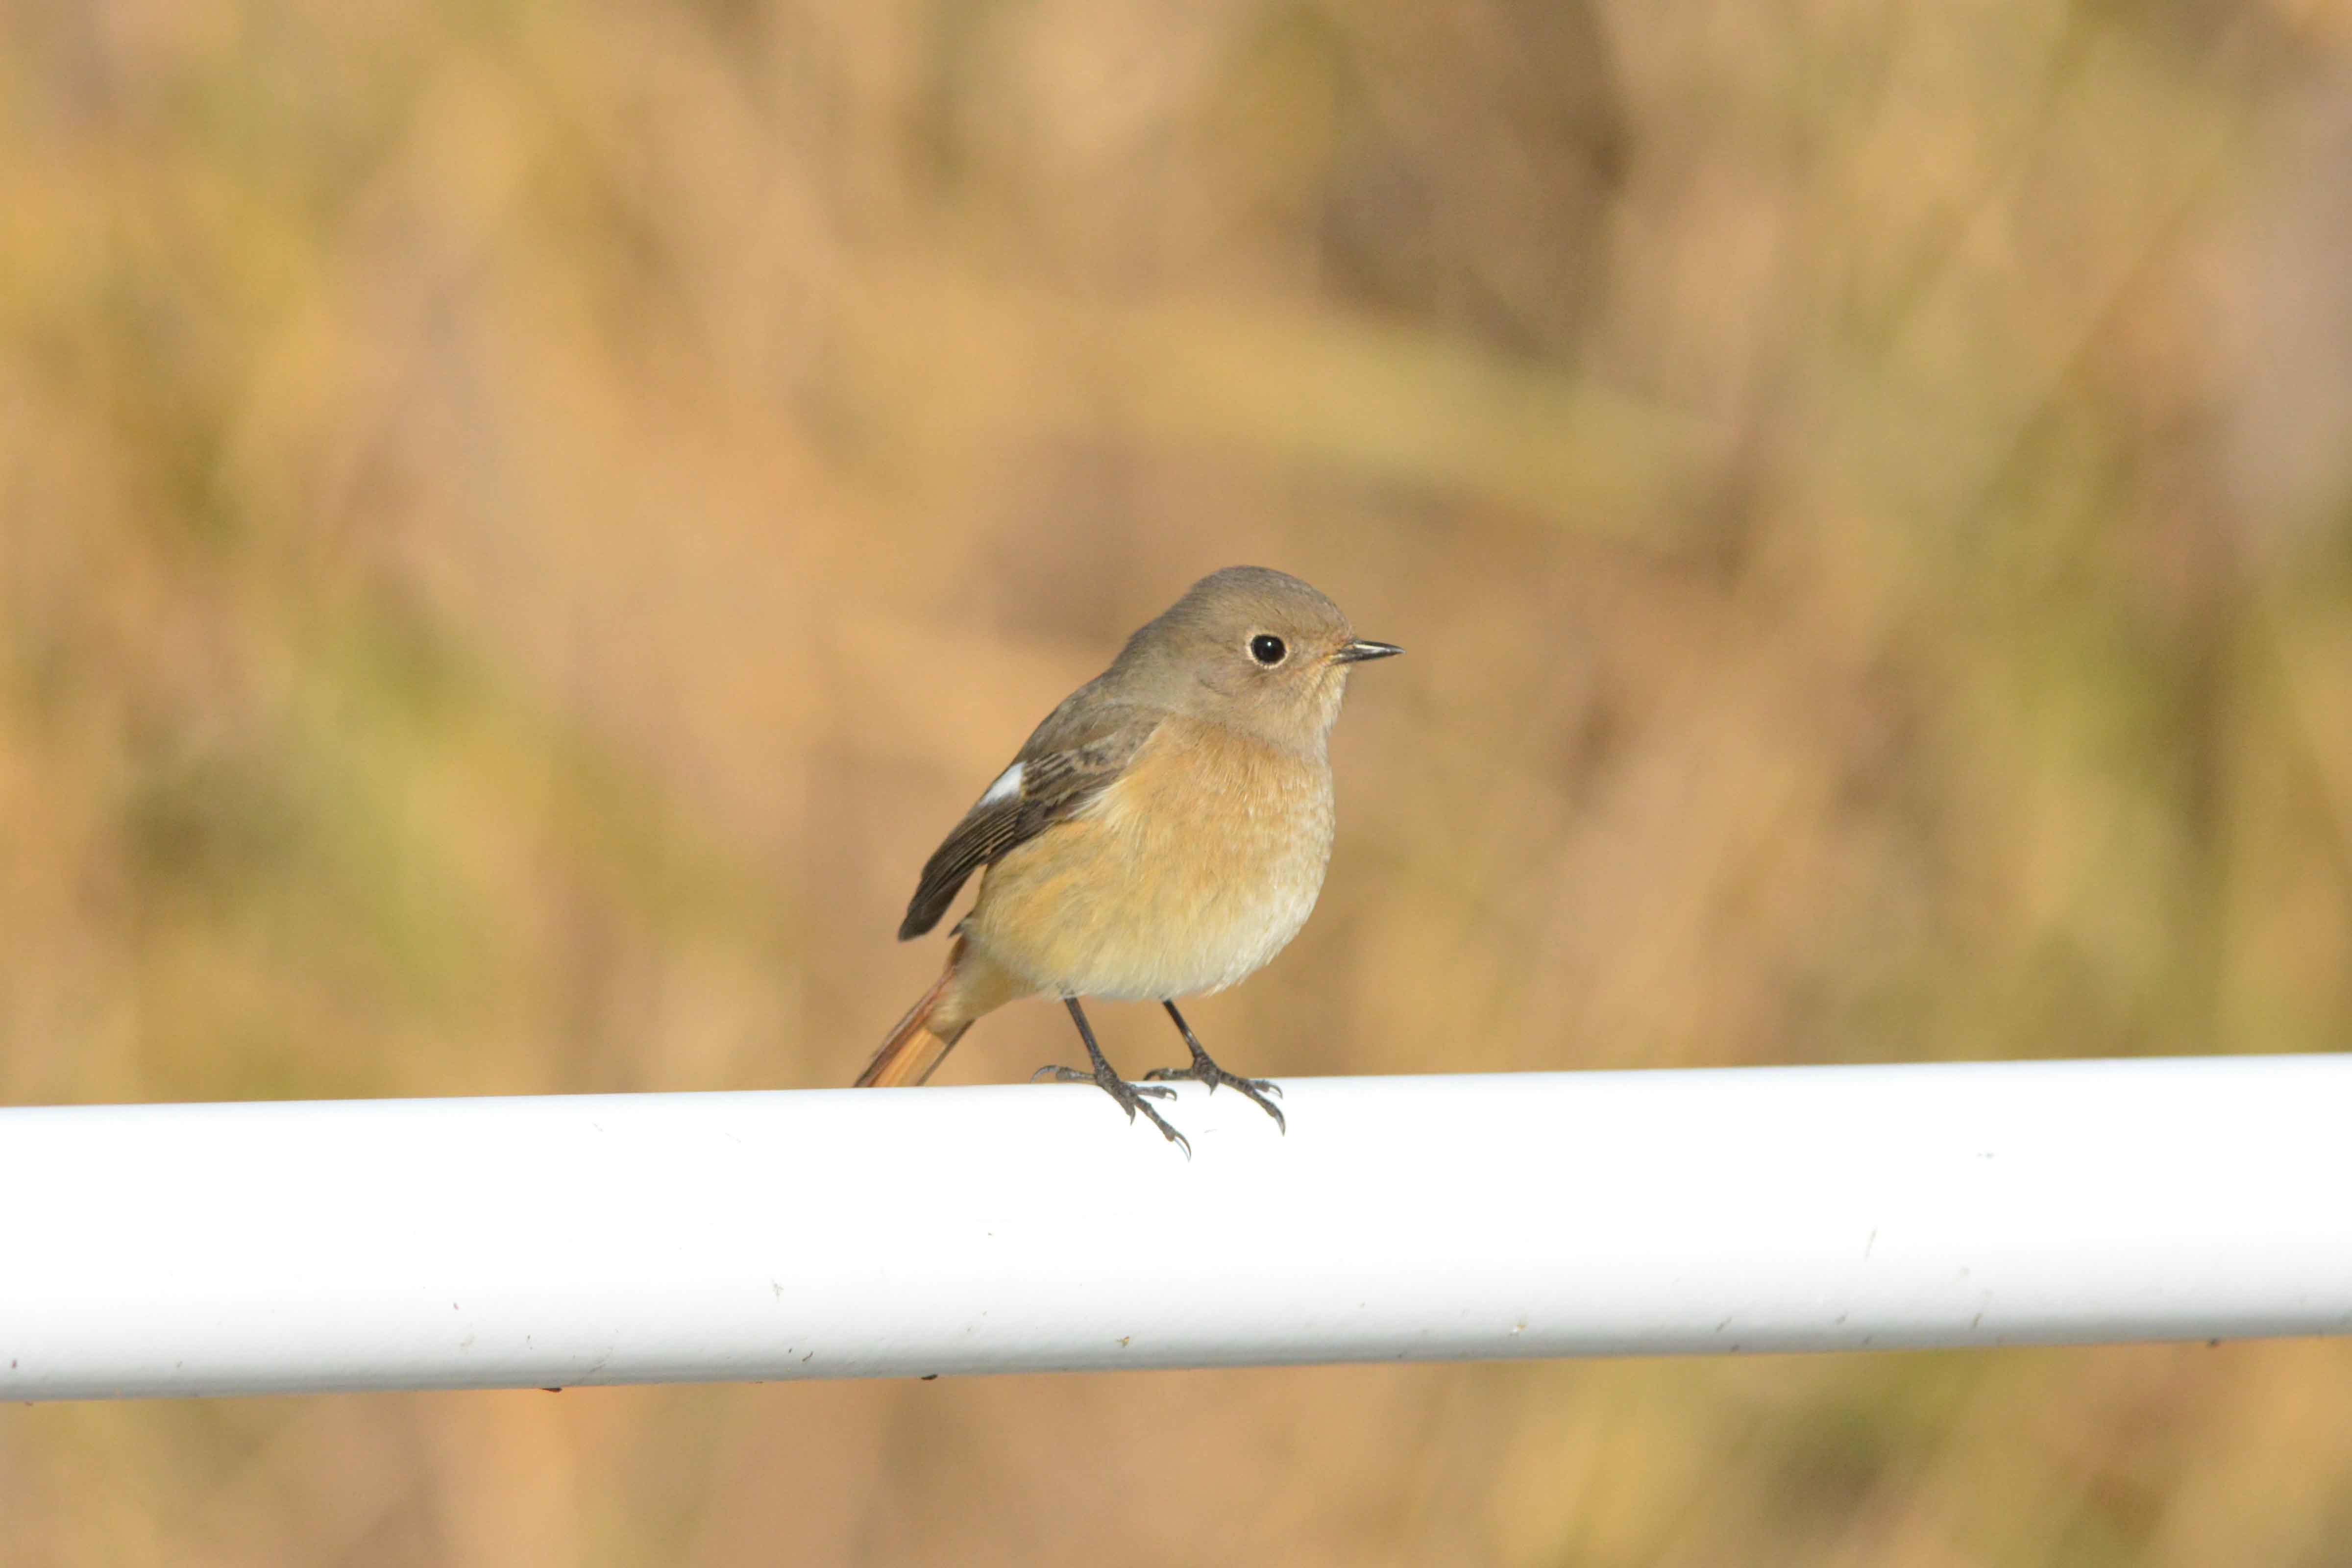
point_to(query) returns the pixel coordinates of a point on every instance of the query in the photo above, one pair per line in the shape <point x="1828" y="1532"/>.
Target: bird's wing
<point x="1077" y="752"/>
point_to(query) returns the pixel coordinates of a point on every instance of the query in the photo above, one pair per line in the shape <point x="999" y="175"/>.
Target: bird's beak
<point x="1360" y="651"/>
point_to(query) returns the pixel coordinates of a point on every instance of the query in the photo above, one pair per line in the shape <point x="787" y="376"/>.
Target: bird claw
<point x="1130" y="1096"/>
<point x="1203" y="1070"/>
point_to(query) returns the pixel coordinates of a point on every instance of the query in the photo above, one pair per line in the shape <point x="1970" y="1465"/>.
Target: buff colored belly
<point x="1157" y="892"/>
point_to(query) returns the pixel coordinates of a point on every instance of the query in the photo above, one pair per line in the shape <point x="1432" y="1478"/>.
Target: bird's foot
<point x="1203" y="1070"/>
<point x="1131" y="1097"/>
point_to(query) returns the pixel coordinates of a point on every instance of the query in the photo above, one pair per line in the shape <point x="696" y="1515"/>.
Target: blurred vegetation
<point x="519" y="526"/>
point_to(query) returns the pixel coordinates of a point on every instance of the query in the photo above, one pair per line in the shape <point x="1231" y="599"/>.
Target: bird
<point x="1162" y="834"/>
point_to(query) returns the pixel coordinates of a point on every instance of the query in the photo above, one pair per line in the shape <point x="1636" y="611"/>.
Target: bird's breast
<point x="1188" y="874"/>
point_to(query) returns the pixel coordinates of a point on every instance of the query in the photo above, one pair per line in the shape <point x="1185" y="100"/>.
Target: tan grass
<point x="519" y="526"/>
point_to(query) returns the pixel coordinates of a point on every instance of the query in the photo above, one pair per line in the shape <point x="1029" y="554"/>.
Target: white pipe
<point x="211" y="1249"/>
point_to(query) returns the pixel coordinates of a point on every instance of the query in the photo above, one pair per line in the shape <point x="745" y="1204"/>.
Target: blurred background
<point x="521" y="525"/>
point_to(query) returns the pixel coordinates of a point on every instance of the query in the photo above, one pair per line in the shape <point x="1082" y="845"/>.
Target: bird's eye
<point x="1268" y="650"/>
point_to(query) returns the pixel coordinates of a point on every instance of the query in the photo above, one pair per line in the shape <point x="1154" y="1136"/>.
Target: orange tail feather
<point x="921" y="1039"/>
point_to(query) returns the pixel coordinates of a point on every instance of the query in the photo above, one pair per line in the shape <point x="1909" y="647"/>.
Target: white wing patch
<point x="1006" y="787"/>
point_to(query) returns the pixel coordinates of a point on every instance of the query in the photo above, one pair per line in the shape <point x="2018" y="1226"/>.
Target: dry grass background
<point x="520" y="524"/>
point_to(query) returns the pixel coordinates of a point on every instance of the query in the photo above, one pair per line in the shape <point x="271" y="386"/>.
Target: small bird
<point x="1162" y="834"/>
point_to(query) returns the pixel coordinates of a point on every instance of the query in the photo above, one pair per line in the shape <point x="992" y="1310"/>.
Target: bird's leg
<point x="1130" y="1096"/>
<point x="1210" y="1073"/>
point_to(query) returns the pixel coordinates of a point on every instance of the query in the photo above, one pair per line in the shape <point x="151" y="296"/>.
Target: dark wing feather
<point x="1076" y="753"/>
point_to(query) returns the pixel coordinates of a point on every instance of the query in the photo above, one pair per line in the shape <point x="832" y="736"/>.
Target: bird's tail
<point x="915" y="1047"/>
<point x="970" y="986"/>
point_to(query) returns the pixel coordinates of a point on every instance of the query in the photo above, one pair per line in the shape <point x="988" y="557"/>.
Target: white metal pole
<point x="192" y="1250"/>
